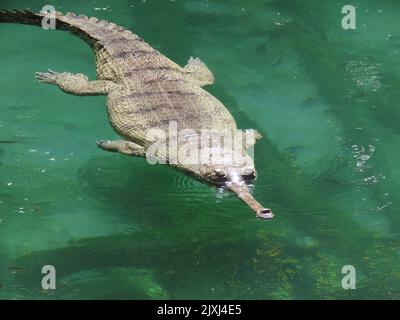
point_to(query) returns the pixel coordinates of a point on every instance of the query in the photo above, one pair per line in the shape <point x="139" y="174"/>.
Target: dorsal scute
<point x="118" y="51"/>
<point x="97" y="29"/>
<point x="111" y="26"/>
<point x="102" y="23"/>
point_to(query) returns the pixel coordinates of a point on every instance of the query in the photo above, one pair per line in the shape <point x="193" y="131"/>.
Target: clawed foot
<point x="121" y="146"/>
<point x="47" y="77"/>
<point x="104" y="144"/>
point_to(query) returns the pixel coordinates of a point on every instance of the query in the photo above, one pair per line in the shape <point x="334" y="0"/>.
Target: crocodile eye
<point x="249" y="173"/>
<point x="219" y="173"/>
<point x="219" y="176"/>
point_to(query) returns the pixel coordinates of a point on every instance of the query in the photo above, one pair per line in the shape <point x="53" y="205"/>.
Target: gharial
<point x="147" y="90"/>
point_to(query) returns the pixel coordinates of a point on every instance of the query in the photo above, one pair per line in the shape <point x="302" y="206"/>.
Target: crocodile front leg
<point x="77" y="84"/>
<point x="126" y="147"/>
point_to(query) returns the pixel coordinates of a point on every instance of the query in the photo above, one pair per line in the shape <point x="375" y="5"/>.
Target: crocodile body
<point x="144" y="88"/>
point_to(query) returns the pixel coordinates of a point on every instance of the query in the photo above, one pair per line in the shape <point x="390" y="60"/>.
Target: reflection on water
<point x="325" y="101"/>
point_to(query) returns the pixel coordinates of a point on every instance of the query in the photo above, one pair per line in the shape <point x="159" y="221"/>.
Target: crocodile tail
<point x="20" y="16"/>
<point x="63" y="22"/>
<point x="92" y="30"/>
<point x="105" y="38"/>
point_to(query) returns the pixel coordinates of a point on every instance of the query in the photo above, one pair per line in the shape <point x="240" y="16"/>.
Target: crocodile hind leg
<point x="77" y="84"/>
<point x="198" y="72"/>
<point x="126" y="147"/>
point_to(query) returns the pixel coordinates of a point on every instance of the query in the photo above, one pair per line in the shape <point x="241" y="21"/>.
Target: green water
<point x="326" y="101"/>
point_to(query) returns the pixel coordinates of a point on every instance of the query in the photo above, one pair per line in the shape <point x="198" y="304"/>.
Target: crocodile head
<point x="236" y="179"/>
<point x="233" y="175"/>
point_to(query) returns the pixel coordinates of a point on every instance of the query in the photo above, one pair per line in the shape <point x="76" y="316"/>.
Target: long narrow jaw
<point x="243" y="192"/>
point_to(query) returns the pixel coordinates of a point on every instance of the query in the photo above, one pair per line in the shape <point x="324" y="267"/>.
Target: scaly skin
<point x="146" y="90"/>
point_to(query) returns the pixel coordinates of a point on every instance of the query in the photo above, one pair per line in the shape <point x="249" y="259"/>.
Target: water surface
<point x="326" y="101"/>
